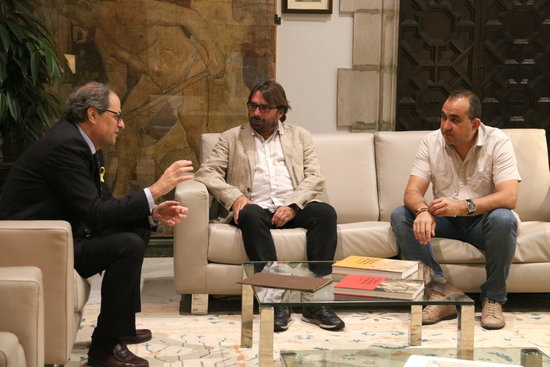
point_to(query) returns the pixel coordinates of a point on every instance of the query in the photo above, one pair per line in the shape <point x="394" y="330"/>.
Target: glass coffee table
<point x="397" y="357"/>
<point x="268" y="298"/>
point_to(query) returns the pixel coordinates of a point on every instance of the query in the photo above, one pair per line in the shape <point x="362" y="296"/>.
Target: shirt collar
<point x="481" y="135"/>
<point x="87" y="139"/>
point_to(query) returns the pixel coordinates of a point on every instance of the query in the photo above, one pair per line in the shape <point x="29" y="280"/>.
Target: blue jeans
<point x="494" y="233"/>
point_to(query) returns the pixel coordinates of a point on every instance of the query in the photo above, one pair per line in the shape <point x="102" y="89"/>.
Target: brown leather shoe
<point x="432" y="314"/>
<point x="142" y="336"/>
<point x="121" y="357"/>
<point x="491" y="315"/>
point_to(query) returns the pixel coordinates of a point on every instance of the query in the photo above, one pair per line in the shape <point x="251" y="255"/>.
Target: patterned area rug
<point x="214" y="340"/>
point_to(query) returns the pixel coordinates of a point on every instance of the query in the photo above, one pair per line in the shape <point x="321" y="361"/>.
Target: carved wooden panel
<point x="514" y="68"/>
<point x="498" y="48"/>
<point x="436" y="55"/>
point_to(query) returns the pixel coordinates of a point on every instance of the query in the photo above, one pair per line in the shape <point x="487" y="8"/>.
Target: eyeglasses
<point x="117" y="114"/>
<point x="264" y="108"/>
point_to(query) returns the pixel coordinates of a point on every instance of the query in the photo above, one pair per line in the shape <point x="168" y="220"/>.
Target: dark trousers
<point x="119" y="254"/>
<point x="319" y="219"/>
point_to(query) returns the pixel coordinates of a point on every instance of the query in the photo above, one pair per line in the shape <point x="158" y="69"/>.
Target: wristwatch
<point x="471" y="206"/>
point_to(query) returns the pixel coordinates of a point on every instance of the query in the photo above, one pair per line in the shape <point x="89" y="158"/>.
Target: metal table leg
<point x="247" y="316"/>
<point x="265" y="349"/>
<point x="466" y="327"/>
<point x="415" y="335"/>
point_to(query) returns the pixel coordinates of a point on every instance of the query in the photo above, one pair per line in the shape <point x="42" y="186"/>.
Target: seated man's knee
<point x="324" y="211"/>
<point x="132" y="244"/>
<point x="251" y="213"/>
<point x="502" y="218"/>
<point x="399" y="217"/>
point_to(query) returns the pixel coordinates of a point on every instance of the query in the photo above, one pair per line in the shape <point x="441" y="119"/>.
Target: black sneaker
<point x="324" y="317"/>
<point x="281" y="318"/>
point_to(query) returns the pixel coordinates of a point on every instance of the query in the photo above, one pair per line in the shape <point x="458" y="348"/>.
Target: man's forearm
<point x="414" y="201"/>
<point x="493" y="201"/>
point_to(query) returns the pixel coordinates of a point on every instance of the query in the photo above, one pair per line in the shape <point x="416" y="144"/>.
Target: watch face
<point x="471" y="206"/>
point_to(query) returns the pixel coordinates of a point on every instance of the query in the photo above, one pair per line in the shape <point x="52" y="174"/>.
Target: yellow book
<point x="365" y="265"/>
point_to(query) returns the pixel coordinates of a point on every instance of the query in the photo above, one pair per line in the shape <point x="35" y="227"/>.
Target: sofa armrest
<point x="22" y="310"/>
<point x="47" y="245"/>
<point x="191" y="238"/>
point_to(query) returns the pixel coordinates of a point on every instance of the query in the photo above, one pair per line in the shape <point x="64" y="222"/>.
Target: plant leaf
<point x="5" y="37"/>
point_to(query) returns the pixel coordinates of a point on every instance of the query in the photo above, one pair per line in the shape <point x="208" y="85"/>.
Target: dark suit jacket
<point x="57" y="179"/>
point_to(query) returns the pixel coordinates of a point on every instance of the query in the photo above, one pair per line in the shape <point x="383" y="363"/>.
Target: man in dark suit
<point x="60" y="177"/>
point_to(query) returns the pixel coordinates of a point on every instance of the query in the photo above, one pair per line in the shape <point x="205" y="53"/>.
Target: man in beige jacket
<point x="267" y="175"/>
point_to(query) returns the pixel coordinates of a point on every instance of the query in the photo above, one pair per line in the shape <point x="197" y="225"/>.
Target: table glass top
<point x="390" y="357"/>
<point x="274" y="297"/>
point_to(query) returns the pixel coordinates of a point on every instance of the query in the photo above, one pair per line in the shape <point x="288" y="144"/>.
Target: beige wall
<point x="310" y="49"/>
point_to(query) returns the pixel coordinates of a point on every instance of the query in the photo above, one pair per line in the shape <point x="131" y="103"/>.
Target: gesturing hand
<point x="172" y="176"/>
<point x="169" y="212"/>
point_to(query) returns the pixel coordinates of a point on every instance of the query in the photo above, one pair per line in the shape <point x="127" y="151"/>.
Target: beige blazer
<point x="228" y="171"/>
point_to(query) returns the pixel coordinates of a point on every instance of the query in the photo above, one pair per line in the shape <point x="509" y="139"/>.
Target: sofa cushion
<point x="532" y="247"/>
<point x="348" y="165"/>
<point x="366" y="239"/>
<point x="395" y="152"/>
<point x="226" y="244"/>
<point x="362" y="238"/>
<point x="533" y="242"/>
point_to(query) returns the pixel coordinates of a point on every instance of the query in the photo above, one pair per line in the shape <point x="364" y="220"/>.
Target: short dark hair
<point x="473" y="99"/>
<point x="274" y="94"/>
<point x="91" y="94"/>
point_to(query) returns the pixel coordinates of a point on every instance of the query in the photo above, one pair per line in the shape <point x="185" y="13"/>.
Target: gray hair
<point x="91" y="94"/>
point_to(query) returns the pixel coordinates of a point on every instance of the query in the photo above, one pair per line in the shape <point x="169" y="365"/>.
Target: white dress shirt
<point x="271" y="183"/>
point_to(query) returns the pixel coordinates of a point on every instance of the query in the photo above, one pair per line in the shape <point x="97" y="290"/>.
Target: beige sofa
<point x="48" y="245"/>
<point x="21" y="317"/>
<point x="366" y="174"/>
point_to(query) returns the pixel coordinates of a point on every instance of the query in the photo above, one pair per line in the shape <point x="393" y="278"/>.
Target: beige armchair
<point x="21" y="317"/>
<point x="48" y="245"/>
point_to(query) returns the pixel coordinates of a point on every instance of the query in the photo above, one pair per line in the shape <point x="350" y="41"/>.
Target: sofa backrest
<point x="348" y="165"/>
<point x="534" y="190"/>
<point x="395" y="152"/>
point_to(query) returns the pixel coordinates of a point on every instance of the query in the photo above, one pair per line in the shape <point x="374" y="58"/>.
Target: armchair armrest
<point x="191" y="238"/>
<point x="22" y="310"/>
<point x="47" y="245"/>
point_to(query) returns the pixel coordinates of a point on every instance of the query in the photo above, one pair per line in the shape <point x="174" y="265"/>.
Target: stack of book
<point x="363" y="276"/>
<point x="365" y="265"/>
<point x="374" y="286"/>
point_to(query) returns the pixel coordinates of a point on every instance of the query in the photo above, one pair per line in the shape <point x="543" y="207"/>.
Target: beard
<point x="262" y="125"/>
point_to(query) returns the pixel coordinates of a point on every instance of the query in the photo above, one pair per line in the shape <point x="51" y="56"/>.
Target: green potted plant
<point x="28" y="64"/>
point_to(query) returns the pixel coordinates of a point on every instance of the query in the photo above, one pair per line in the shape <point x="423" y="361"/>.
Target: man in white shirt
<point x="267" y="175"/>
<point x="474" y="174"/>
